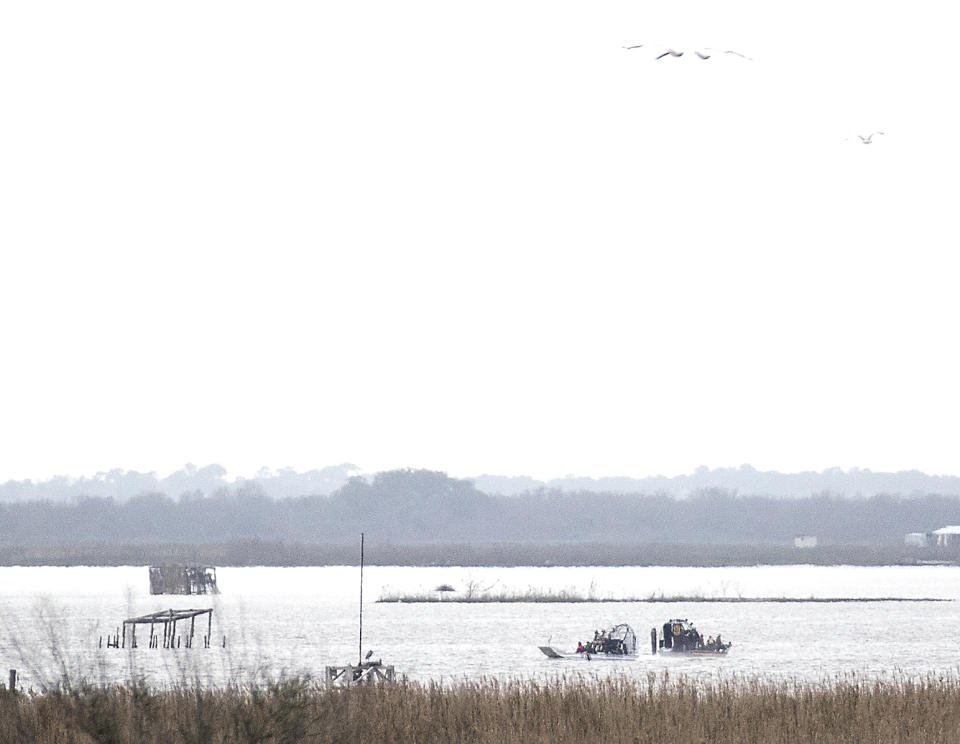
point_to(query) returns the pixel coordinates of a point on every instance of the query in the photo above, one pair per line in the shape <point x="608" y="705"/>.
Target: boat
<point x="679" y="636"/>
<point x="618" y="643"/>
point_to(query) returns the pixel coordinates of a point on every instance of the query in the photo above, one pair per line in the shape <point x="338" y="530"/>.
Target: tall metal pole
<point x="360" y="651"/>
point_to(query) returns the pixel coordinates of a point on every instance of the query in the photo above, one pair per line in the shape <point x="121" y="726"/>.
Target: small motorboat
<point x="618" y="643"/>
<point x="679" y="636"/>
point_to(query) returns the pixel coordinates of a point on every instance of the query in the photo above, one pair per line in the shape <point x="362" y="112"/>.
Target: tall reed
<point x="619" y="709"/>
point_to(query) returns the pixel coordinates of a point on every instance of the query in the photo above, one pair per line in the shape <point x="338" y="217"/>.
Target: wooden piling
<point x="169" y="638"/>
<point x="13" y="680"/>
<point x="367" y="673"/>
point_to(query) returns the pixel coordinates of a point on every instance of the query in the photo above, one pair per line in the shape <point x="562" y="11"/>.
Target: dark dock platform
<point x="179" y="579"/>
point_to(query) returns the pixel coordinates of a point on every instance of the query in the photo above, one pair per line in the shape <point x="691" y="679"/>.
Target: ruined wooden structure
<point x="163" y="630"/>
<point x="366" y="673"/>
<point x="179" y="579"/>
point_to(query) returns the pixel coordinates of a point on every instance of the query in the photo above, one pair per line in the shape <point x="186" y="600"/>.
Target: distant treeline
<point x="121" y="485"/>
<point x="409" y="507"/>
<point x="191" y="481"/>
<point x="745" y="479"/>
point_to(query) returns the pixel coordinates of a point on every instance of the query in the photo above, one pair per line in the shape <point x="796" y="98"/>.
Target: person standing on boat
<point x="580" y="648"/>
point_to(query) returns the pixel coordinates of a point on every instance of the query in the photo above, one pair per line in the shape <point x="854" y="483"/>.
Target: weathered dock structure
<point x="365" y="673"/>
<point x="163" y="629"/>
<point x="180" y="579"/>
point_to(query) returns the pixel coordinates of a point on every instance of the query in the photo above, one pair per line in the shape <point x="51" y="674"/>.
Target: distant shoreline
<point x="380" y="552"/>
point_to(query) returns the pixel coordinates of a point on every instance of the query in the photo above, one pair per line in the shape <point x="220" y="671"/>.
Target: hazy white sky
<point x="477" y="237"/>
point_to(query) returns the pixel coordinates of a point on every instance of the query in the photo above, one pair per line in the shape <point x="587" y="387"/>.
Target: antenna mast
<point x="360" y="650"/>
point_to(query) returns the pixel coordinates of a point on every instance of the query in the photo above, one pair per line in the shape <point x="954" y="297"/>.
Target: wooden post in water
<point x="368" y="673"/>
<point x="13" y="680"/>
<point x="360" y="650"/>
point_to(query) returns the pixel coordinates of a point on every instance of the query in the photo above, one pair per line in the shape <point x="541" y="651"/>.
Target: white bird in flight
<point x="869" y="138"/>
<point x="703" y="53"/>
<point x="671" y="52"/>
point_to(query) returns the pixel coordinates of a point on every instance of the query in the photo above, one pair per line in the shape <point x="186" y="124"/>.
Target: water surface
<point x="295" y="621"/>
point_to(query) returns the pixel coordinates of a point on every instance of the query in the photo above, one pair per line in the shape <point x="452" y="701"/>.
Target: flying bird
<point x="869" y="138"/>
<point x="703" y="53"/>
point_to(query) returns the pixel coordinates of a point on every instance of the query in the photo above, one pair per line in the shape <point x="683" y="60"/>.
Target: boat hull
<point x="695" y="652"/>
<point x="553" y="653"/>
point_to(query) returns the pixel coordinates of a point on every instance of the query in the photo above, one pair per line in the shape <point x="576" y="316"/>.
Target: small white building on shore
<point x="918" y="539"/>
<point x="942" y="538"/>
<point x="949" y="535"/>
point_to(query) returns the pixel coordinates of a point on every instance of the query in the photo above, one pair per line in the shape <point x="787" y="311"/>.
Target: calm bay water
<point x="295" y="621"/>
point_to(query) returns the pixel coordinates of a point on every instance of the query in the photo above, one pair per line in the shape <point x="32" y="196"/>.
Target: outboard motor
<point x="667" y="635"/>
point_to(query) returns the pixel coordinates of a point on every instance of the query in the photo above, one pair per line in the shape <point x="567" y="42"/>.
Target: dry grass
<point x="615" y="710"/>
<point x="530" y="595"/>
<point x="536" y="596"/>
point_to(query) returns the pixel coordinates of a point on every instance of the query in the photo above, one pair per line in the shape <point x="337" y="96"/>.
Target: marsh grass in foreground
<point x="652" y="709"/>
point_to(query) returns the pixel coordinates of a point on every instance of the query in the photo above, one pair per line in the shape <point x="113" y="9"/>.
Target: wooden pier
<point x="366" y="673"/>
<point x="165" y="621"/>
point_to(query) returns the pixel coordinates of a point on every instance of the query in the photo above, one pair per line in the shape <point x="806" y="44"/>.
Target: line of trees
<point x="419" y="506"/>
<point x="121" y="485"/>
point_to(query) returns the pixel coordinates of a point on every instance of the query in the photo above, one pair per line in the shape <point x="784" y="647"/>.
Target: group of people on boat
<point x="620" y="642"/>
<point x="713" y="645"/>
<point x="602" y="643"/>
<point x="679" y="634"/>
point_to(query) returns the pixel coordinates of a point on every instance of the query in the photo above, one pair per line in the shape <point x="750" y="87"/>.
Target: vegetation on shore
<point x="257" y="552"/>
<point x="420" y="507"/>
<point x="534" y="597"/>
<point x="633" y="711"/>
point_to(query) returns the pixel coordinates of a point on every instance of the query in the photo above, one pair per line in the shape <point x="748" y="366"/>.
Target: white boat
<point x="619" y="643"/>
